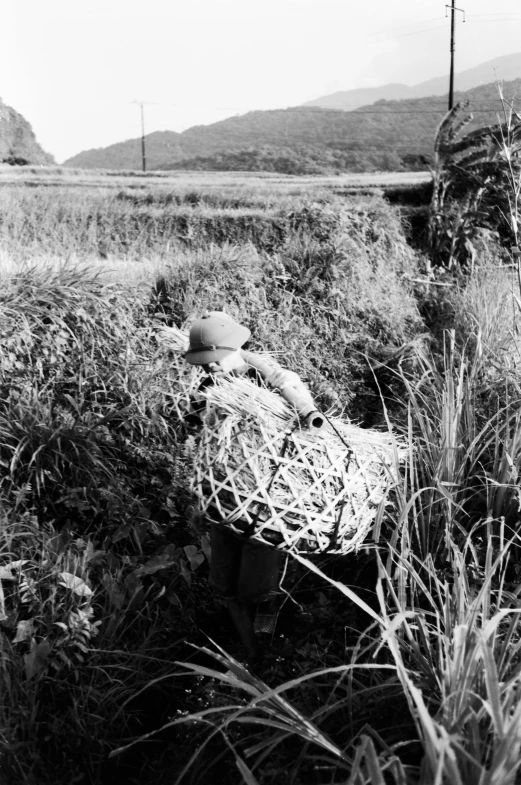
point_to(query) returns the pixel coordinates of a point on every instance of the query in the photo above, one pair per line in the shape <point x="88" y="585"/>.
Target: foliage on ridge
<point x="336" y="140"/>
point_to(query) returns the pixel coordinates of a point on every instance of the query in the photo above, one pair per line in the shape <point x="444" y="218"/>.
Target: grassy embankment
<point x="409" y="659"/>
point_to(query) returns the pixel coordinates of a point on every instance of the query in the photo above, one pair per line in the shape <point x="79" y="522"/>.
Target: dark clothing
<point x="243" y="571"/>
<point x="242" y="567"/>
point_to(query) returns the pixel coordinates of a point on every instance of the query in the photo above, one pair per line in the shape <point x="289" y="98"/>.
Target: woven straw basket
<point x="257" y="471"/>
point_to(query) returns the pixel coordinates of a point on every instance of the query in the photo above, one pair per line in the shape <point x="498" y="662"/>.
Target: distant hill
<point x="388" y="135"/>
<point x="506" y="68"/>
<point x="161" y="146"/>
<point x="18" y="143"/>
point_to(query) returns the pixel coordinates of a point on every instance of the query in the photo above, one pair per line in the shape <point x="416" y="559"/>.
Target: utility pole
<point x="143" y="149"/>
<point x="453" y="10"/>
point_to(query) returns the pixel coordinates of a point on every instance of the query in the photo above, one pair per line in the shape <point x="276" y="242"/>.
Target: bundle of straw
<point x="259" y="472"/>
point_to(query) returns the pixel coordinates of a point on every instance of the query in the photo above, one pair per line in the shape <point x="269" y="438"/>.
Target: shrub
<point x="476" y="186"/>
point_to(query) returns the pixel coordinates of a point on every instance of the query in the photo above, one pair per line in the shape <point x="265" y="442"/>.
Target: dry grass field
<point x="179" y="180"/>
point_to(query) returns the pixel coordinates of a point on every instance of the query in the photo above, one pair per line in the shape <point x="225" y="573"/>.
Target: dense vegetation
<point x="403" y="665"/>
<point x="356" y="242"/>
<point x="476" y="187"/>
<point x="299" y="140"/>
<point x="304" y="159"/>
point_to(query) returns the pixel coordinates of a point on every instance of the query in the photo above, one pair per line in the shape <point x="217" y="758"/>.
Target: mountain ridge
<point x="387" y="135"/>
<point x="505" y="67"/>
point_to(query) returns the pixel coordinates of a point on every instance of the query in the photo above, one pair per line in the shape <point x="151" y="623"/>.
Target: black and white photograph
<point x="260" y="392"/>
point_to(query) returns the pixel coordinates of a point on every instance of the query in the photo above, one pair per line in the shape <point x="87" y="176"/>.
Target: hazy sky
<point x="72" y="68"/>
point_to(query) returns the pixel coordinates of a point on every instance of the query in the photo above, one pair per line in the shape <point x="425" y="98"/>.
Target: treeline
<point x="304" y="160"/>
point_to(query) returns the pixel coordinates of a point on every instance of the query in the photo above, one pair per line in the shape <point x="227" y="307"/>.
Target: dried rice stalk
<point x="257" y="470"/>
<point x="172" y="338"/>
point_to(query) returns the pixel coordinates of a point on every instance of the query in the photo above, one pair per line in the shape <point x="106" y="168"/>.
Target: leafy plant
<point x="472" y="172"/>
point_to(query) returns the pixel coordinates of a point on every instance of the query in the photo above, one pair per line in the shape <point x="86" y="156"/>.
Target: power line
<point x="407" y="35"/>
<point x="309" y="109"/>
<point x="437" y="19"/>
<point x="359" y="110"/>
<point x="424" y="111"/>
<point x="500" y="13"/>
<point x="401" y="27"/>
<point x="492" y="21"/>
<point x="470" y="20"/>
<point x="381" y="112"/>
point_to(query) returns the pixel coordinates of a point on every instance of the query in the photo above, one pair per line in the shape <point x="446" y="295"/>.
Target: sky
<point x="74" y="69"/>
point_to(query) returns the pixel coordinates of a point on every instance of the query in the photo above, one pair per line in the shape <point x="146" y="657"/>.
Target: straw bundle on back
<point x="257" y="470"/>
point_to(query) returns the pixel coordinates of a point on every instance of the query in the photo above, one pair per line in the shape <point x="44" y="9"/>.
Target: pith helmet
<point x="213" y="336"/>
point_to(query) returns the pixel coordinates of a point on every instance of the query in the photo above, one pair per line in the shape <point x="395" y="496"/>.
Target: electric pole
<point x="453" y="10"/>
<point x="143" y="149"/>
<point x="143" y="152"/>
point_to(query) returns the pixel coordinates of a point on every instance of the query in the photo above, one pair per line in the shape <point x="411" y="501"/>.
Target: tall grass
<point x="487" y="305"/>
<point x="445" y="628"/>
<point x="88" y="499"/>
<point x="143" y="222"/>
<point x="455" y="651"/>
<point x="103" y="578"/>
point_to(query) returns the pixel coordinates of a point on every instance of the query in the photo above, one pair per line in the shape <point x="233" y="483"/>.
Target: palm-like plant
<point x="473" y="176"/>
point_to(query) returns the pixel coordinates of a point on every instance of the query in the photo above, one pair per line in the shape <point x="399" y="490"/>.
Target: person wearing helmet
<point x="214" y="337"/>
<point x="243" y="571"/>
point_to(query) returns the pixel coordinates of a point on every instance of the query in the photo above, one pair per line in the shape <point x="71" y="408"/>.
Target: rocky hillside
<point x="388" y="135"/>
<point x="18" y="143"/>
